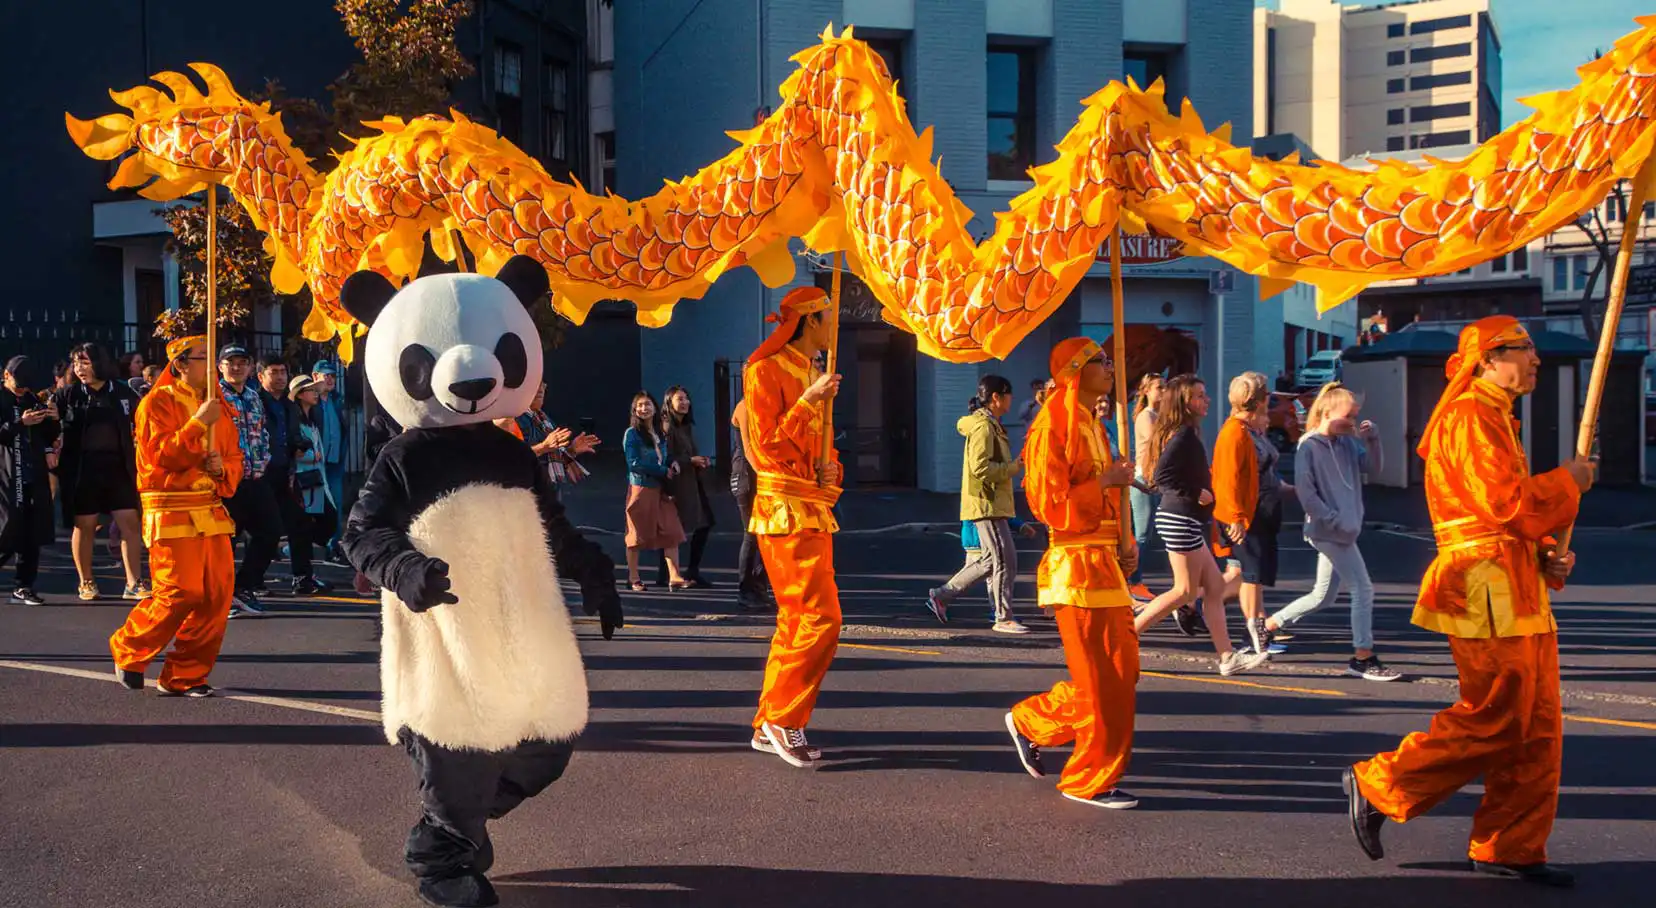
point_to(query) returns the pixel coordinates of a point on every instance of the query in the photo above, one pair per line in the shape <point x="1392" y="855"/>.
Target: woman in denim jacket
<point x="652" y="521"/>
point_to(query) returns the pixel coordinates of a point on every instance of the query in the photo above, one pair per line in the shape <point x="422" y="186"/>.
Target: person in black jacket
<point x="286" y="441"/>
<point x="98" y="469"/>
<point x="1185" y="517"/>
<point x="686" y="488"/>
<point x="28" y="427"/>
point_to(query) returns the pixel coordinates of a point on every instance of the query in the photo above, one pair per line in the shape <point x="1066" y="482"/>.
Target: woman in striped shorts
<point x="1184" y="516"/>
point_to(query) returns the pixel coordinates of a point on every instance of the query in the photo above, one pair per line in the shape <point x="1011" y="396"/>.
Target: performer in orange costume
<point x="793" y="518"/>
<point x="183" y="479"/>
<point x="1073" y="484"/>
<point x="1485" y="591"/>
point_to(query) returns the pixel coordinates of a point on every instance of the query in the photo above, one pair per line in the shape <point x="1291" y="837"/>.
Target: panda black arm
<point x="376" y="539"/>
<point x="579" y="558"/>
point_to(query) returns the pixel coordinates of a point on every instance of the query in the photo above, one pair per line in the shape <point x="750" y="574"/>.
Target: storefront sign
<point x="1144" y="249"/>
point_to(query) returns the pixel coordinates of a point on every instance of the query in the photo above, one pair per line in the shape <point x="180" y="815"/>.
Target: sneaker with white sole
<point x="246" y="605"/>
<point x="1114" y="799"/>
<point x="1235" y="662"/>
<point x="199" y="692"/>
<point x="1184" y="617"/>
<point x="1371" y="669"/>
<point x="89" y="591"/>
<point x="791" y="746"/>
<point x="1260" y="635"/>
<point x="1029" y="753"/>
<point x="938" y="608"/>
<point x="762" y="744"/>
<point x="1010" y="626"/>
<point x="129" y="679"/>
<point x="25" y="596"/>
<point x="136" y="591"/>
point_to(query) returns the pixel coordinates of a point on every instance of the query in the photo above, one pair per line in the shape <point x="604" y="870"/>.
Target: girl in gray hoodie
<point x="1328" y="474"/>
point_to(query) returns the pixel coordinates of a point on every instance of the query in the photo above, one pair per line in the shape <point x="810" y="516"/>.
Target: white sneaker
<point x="1010" y="626"/>
<point x="1235" y="662"/>
<point x="1114" y="799"/>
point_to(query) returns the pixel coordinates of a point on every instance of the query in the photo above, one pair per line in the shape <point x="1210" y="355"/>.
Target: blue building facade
<point x="999" y="82"/>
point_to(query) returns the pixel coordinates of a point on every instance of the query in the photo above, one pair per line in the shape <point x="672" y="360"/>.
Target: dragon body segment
<point x="838" y="165"/>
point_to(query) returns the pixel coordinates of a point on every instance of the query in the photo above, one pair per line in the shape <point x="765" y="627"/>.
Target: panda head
<point x="451" y="349"/>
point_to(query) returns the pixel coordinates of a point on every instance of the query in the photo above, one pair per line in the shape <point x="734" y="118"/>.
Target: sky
<point x="1543" y="41"/>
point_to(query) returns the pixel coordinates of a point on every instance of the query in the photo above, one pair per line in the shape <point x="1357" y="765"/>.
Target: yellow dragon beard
<point x="839" y="166"/>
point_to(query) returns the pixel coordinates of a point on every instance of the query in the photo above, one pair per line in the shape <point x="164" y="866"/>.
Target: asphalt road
<point x="286" y="794"/>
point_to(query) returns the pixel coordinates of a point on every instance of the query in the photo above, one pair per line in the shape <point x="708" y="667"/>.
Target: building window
<point x="1615" y="209"/>
<point x="1439" y="80"/>
<point x="1498" y="264"/>
<point x="1394" y="116"/>
<point x="1011" y="112"/>
<point x="1427" y="26"/>
<point x="1520" y="259"/>
<point x="606" y="161"/>
<point x="1441" y="139"/>
<point x="1440" y="111"/>
<point x="1561" y="273"/>
<point x="555" y="114"/>
<point x="891" y="53"/>
<point x="1580" y="263"/>
<point x="1440" y="52"/>
<point x="1394" y="86"/>
<point x="1394" y="143"/>
<point x="1394" y="30"/>
<point x="1395" y="57"/>
<point x="508" y="89"/>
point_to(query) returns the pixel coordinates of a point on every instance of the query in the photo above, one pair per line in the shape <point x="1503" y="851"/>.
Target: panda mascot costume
<point x="457" y="523"/>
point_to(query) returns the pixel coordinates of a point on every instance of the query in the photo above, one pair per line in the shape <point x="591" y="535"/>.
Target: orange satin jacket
<point x="1061" y="466"/>
<point x="784" y="443"/>
<point x="1490" y="517"/>
<point x="1235" y="474"/>
<point x="179" y="499"/>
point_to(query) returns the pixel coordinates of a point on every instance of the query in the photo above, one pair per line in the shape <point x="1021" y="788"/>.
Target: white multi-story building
<point x="1353" y="80"/>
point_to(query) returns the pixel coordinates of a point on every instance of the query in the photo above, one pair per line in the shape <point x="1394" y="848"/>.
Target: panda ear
<point x="365" y="293"/>
<point x="526" y="277"/>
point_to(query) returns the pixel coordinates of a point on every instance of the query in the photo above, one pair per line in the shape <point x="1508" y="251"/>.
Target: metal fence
<point x="46" y="334"/>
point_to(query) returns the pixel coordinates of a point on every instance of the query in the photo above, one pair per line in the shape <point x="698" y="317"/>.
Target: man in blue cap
<point x="333" y="445"/>
<point x="254" y="506"/>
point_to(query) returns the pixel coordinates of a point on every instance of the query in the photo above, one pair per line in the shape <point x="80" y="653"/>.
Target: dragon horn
<point x="104" y="139"/>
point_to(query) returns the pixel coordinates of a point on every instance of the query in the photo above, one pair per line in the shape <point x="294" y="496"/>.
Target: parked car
<point x="1319" y="369"/>
<point x="1287" y="415"/>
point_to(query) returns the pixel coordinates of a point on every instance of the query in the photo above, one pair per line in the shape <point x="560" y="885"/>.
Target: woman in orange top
<point x="185" y="471"/>
<point x="1487" y="590"/>
<point x="1248" y="496"/>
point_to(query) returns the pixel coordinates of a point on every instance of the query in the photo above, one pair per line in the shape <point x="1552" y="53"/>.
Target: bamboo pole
<point x="1587" y="433"/>
<point x="459" y="251"/>
<point x="212" y="298"/>
<point x="833" y="364"/>
<point x="1118" y="299"/>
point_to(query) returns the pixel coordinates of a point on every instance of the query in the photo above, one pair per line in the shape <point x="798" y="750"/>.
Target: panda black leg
<point x="529" y="768"/>
<point x="449" y="848"/>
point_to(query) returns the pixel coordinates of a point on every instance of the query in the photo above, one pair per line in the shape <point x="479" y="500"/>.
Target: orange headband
<point x="1476" y="339"/>
<point x="176" y="348"/>
<point x="796" y="304"/>
<point x="1070" y="356"/>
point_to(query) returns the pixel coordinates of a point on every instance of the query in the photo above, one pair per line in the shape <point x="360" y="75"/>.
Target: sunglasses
<point x="1521" y="348"/>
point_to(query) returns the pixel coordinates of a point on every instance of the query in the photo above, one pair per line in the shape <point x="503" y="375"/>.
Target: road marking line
<point x="1293" y="690"/>
<point x="1619" y="723"/>
<point x="892" y="649"/>
<point x="224" y="693"/>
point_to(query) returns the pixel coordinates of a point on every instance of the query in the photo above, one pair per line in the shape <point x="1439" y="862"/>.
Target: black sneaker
<point x="468" y="890"/>
<point x="25" y="596"/>
<point x="1371" y="669"/>
<point x="1540" y="874"/>
<point x="1366" y="821"/>
<point x="199" y="692"/>
<point x="128" y="679"/>
<point x="1114" y="799"/>
<point x="1185" y="617"/>
<point x="246" y="605"/>
<point x="1260" y="636"/>
<point x="1029" y="753"/>
<point x="310" y="586"/>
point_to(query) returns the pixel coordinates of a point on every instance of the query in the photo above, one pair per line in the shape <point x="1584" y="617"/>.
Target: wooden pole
<point x="1118" y="299"/>
<point x="1586" y="434"/>
<point x="459" y="251"/>
<point x="212" y="297"/>
<point x="833" y="364"/>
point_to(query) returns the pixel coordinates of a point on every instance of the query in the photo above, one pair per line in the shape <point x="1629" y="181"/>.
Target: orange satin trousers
<point x="192" y="580"/>
<point x="1508" y="728"/>
<point x="801" y="570"/>
<point x="1095" y="708"/>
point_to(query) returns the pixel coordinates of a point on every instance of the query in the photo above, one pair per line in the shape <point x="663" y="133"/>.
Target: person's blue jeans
<point x="1338" y="564"/>
<point x="1144" y="509"/>
<point x="335" y="473"/>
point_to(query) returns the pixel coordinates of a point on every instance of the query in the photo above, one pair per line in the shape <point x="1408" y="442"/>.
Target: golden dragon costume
<point x="839" y="165"/>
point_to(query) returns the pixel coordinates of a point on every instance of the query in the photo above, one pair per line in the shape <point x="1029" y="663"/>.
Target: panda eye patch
<point x="416" y="365"/>
<point x="514" y="359"/>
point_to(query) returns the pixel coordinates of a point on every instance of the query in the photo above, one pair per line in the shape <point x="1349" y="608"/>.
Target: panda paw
<point x="428" y="587"/>
<point x="606" y="604"/>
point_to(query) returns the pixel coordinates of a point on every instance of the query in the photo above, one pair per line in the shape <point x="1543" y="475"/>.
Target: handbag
<point x="306" y="480"/>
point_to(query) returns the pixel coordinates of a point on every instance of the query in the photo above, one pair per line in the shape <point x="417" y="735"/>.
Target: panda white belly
<point x="501" y="666"/>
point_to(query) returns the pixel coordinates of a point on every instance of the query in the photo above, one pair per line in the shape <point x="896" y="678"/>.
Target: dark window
<point x="1441" y="52"/>
<point x="1394" y="116"/>
<point x="1144" y="68"/>
<point x="1011" y="112"/>
<point x="508" y="90"/>
<point x="1394" y="143"/>
<point x="1441" y="139"/>
<point x="1615" y="208"/>
<point x="555" y="115"/>
<point x="1395" y="57"/>
<point x="1439" y="80"/>
<point x="1489" y="78"/>
<point x="1498" y="264"/>
<point x="1394" y="30"/>
<point x="1649" y="210"/>
<point x="1270" y="82"/>
<point x="891" y="52"/>
<point x="1520" y="259"/>
<point x="1394" y="86"/>
<point x="606" y="161"/>
<point x="1428" y="26"/>
<point x="1561" y="273"/>
<point x="1440" y="111"/>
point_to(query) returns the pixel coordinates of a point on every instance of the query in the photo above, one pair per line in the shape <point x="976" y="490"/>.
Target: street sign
<point x="1641" y="284"/>
<point x="1144" y="249"/>
<point x="1221" y="281"/>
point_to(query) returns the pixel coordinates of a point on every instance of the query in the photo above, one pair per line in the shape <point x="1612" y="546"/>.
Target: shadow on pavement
<point x="80" y="734"/>
<point x="721" y="886"/>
